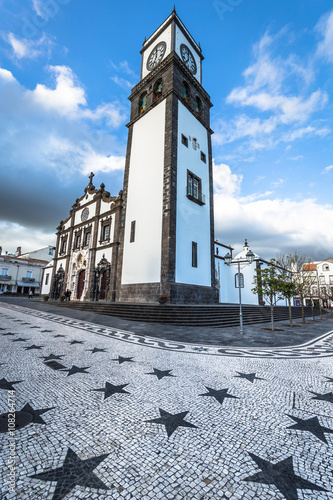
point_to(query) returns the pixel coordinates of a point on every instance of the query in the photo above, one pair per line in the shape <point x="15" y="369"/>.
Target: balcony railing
<point x="28" y="280"/>
<point x="195" y="196"/>
<point x="5" y="277"/>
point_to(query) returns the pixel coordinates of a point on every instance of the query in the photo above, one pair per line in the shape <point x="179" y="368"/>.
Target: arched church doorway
<point x="103" y="286"/>
<point x="80" y="285"/>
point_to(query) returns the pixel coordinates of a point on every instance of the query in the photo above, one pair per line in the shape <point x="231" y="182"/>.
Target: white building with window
<point x="321" y="289"/>
<point x="20" y="275"/>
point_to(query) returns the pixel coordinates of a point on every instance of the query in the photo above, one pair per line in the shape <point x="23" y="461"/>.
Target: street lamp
<point x="239" y="278"/>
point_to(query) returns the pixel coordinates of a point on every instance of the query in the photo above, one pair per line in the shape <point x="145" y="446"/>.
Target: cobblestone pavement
<point x="104" y="413"/>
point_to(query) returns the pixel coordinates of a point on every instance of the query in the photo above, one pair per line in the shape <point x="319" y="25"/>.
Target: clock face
<point x="156" y="55"/>
<point x="85" y="214"/>
<point x="188" y="58"/>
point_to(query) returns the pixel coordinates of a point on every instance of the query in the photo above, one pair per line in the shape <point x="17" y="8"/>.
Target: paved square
<point x="104" y="413"/>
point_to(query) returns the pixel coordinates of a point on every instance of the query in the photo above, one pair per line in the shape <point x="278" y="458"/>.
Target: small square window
<point x="203" y="157"/>
<point x="184" y="140"/>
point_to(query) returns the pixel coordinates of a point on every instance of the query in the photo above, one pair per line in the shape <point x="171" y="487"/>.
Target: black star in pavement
<point x="46" y="331"/>
<point x="249" y="376"/>
<point x="20" y="340"/>
<point x="161" y="373"/>
<point x="329" y="379"/>
<point x="323" y="397"/>
<point x="8" y="386"/>
<point x="282" y="475"/>
<point x="34" y="327"/>
<point x="33" y="347"/>
<point x="9" y="333"/>
<point x="36" y="418"/>
<point x="52" y="356"/>
<point x="110" y="389"/>
<point x="171" y="421"/>
<point x="311" y="425"/>
<point x="59" y="335"/>
<point x="96" y="349"/>
<point x="218" y="395"/>
<point x="74" y="471"/>
<point x="76" y="342"/>
<point x="121" y="360"/>
<point x="76" y="369"/>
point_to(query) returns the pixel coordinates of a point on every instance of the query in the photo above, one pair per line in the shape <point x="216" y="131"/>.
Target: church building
<point x="157" y="236"/>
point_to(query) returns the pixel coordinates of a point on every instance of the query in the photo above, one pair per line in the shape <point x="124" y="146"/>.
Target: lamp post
<point x="240" y="284"/>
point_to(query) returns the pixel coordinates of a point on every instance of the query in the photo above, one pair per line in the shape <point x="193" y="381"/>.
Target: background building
<point x="20" y="273"/>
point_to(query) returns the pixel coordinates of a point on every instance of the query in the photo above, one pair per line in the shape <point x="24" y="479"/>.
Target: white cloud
<point x="271" y="225"/>
<point x="29" y="238"/>
<point x="277" y="183"/>
<point x="325" y="29"/>
<point x="225" y="182"/>
<point x="65" y="98"/>
<point x="327" y="169"/>
<point x="6" y="76"/>
<point x="122" y="82"/>
<point x="55" y="129"/>
<point x="28" y="48"/>
<point x="277" y="92"/>
<point x="296" y="158"/>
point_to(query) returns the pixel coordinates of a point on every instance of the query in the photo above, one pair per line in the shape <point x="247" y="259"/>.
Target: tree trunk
<point x="272" y="317"/>
<point x="290" y="313"/>
<point x="312" y="309"/>
<point x="302" y="306"/>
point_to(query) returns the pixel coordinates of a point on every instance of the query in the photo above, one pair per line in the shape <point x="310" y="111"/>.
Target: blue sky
<point x="66" y="70"/>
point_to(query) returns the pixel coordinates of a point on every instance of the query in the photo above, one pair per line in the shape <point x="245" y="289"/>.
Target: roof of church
<point x="242" y="255"/>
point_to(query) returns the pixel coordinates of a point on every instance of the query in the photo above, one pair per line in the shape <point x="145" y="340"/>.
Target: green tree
<point x="269" y="283"/>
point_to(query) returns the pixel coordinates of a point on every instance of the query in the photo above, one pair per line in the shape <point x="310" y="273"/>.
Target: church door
<point x="103" y="286"/>
<point x="80" y="285"/>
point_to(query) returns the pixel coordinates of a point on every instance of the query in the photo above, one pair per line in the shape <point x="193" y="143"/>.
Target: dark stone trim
<point x="211" y="202"/>
<point x="122" y="215"/>
<point x="140" y="292"/>
<point x="181" y="293"/>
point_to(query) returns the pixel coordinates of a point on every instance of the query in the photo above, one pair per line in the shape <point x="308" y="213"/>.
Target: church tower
<point x="167" y="228"/>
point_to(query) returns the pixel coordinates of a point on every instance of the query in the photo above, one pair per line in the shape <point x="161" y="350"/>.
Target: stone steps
<point x="187" y="315"/>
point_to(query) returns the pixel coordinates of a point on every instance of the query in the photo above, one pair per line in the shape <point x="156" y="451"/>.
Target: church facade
<point x="157" y="236"/>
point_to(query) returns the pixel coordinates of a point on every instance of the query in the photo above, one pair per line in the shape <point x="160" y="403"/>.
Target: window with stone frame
<point x="47" y="276"/>
<point x="326" y="267"/>
<point x="77" y="241"/>
<point x="63" y="245"/>
<point x="105" y="230"/>
<point x="86" y="237"/>
<point x="322" y="280"/>
<point x="331" y="279"/>
<point x="194" y="189"/>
